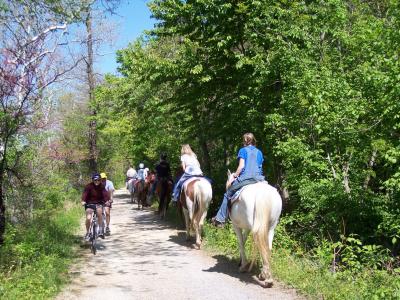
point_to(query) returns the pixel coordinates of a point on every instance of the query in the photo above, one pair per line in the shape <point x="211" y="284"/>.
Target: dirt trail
<point x="145" y="258"/>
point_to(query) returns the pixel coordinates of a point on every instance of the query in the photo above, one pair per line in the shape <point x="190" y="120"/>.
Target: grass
<point x="303" y="272"/>
<point x="307" y="275"/>
<point x="35" y="257"/>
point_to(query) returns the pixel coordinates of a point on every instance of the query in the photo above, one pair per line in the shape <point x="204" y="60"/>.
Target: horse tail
<point x="261" y="224"/>
<point x="202" y="195"/>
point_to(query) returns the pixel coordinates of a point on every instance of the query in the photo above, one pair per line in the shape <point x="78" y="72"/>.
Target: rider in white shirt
<point x="130" y="174"/>
<point x="109" y="186"/>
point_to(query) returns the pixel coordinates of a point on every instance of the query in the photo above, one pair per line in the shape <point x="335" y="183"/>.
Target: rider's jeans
<point x="223" y="209"/>
<point x="178" y="185"/>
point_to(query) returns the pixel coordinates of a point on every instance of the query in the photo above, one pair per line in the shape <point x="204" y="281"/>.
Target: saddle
<point x="237" y="189"/>
<point x="136" y="183"/>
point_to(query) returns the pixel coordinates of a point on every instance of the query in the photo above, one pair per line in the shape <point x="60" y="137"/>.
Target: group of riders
<point x="99" y="193"/>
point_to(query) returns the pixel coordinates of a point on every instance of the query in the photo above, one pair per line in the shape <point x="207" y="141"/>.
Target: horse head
<point x="231" y="178"/>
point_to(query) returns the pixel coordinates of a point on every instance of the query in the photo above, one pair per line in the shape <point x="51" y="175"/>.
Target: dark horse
<point x="163" y="190"/>
<point x="141" y="189"/>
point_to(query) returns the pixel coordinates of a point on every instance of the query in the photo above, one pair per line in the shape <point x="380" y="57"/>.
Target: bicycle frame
<point x="93" y="230"/>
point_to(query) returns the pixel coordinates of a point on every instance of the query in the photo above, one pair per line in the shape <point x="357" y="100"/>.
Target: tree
<point x="29" y="63"/>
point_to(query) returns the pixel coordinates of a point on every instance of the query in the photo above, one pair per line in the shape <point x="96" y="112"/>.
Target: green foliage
<point x="315" y="81"/>
<point x="311" y="273"/>
<point x="35" y="256"/>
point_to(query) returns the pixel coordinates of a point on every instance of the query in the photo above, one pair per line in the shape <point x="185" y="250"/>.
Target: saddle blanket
<point x="236" y="195"/>
<point x="189" y="180"/>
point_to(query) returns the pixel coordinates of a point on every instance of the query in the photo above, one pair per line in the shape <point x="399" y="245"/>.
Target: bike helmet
<point x="96" y="176"/>
<point x="103" y="175"/>
<point x="141" y="165"/>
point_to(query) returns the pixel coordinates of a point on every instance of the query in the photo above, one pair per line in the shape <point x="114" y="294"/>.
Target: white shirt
<point x="109" y="186"/>
<point x="192" y="165"/>
<point x="131" y="173"/>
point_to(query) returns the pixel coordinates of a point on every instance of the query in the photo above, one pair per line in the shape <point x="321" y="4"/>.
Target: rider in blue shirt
<point x="249" y="171"/>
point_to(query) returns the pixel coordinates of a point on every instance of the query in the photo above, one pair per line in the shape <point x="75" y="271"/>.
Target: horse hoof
<point x="195" y="246"/>
<point x="244" y="268"/>
<point x="268" y="283"/>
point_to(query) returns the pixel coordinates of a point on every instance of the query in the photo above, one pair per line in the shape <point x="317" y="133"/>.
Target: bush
<point x="35" y="256"/>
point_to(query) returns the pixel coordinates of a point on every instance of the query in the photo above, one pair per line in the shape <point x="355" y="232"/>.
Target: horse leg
<point x="265" y="274"/>
<point x="162" y="205"/>
<point x="241" y="239"/>
<point x="199" y="229"/>
<point x="187" y="223"/>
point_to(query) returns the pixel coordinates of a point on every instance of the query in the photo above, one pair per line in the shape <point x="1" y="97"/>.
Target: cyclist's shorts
<point x="91" y="206"/>
<point x="108" y="205"/>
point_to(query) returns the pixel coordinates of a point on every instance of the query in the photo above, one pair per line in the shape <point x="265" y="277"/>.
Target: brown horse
<point x="141" y="189"/>
<point x="150" y="181"/>
<point x="163" y="190"/>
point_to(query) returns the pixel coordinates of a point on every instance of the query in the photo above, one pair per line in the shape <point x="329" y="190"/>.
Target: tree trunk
<point x="346" y="184"/>
<point x="370" y="166"/>
<point x="206" y="157"/>
<point x="2" y="210"/>
<point x="281" y="186"/>
<point x="91" y="83"/>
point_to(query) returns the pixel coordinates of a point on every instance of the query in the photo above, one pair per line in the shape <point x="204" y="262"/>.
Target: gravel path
<point x="145" y="258"/>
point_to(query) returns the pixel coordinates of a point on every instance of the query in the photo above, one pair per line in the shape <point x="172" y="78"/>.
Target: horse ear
<point x="229" y="173"/>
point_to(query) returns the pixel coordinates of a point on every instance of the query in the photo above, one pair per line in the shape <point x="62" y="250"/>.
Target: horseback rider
<point x="130" y="174"/>
<point x="163" y="170"/>
<point x="141" y="173"/>
<point x="109" y="186"/>
<point x="190" y="166"/>
<point x="248" y="171"/>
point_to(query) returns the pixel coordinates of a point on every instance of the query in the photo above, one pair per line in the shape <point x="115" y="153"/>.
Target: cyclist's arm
<point x="84" y="196"/>
<point x="106" y="196"/>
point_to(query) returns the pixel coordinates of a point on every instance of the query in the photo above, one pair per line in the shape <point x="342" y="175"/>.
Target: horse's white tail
<point x="262" y="213"/>
<point x="202" y="197"/>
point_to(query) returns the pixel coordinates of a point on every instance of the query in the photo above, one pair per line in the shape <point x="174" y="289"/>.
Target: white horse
<point x="195" y="199"/>
<point x="131" y="189"/>
<point x="257" y="211"/>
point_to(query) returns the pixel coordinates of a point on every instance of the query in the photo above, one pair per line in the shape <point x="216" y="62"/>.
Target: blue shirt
<point x="260" y="159"/>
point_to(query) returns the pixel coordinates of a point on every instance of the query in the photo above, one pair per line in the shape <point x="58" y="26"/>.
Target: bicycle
<point x="93" y="229"/>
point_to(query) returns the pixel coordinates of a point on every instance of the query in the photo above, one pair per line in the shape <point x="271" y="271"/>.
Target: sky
<point x="133" y="17"/>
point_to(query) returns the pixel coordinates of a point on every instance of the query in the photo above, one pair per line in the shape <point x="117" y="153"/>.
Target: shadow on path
<point x="228" y="267"/>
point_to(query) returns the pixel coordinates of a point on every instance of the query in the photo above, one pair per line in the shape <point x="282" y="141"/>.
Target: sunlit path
<point x="148" y="259"/>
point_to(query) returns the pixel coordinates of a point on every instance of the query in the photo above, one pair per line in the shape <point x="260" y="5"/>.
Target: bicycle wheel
<point x="93" y="245"/>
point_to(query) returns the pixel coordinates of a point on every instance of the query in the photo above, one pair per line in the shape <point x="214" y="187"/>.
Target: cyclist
<point x="109" y="186"/>
<point x="93" y="198"/>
